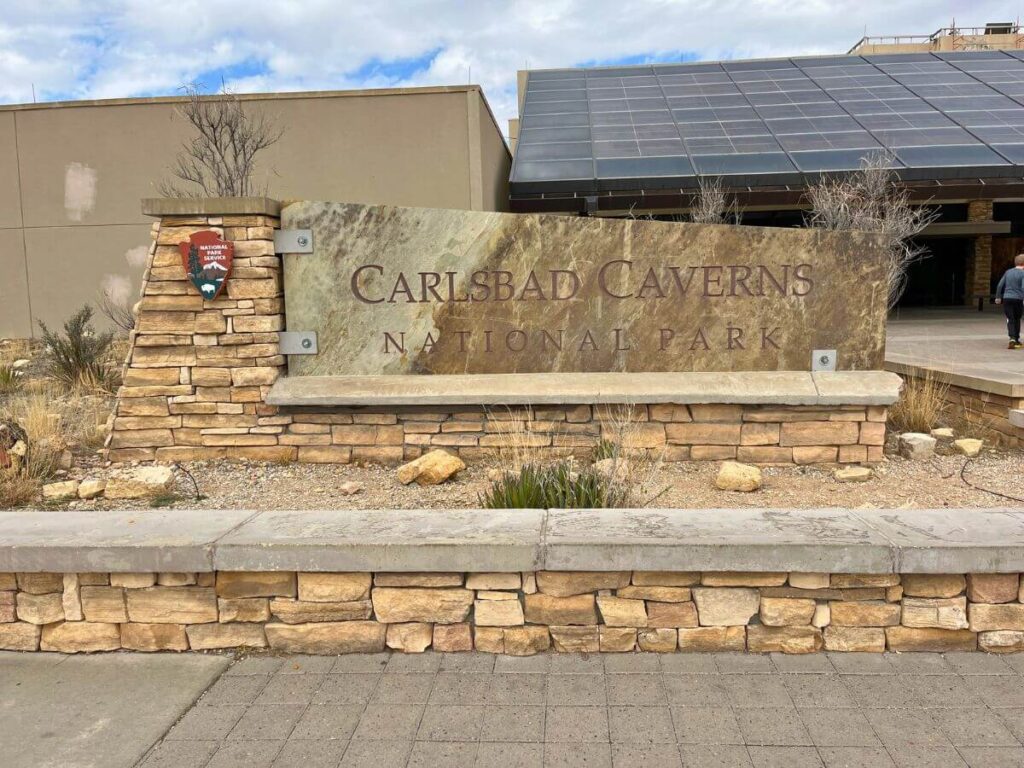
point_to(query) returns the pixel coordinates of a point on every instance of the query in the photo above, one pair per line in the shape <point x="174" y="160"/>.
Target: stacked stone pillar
<point x="198" y="370"/>
<point x="979" y="266"/>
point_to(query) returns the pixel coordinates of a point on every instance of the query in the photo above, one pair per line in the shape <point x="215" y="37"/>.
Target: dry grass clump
<point x="921" y="406"/>
<point x="624" y="476"/>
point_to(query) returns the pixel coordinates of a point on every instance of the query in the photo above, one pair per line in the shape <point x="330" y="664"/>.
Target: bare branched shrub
<point x="711" y="204"/>
<point x="921" y="405"/>
<point x="220" y="161"/>
<point x="870" y="200"/>
<point x="115" y="305"/>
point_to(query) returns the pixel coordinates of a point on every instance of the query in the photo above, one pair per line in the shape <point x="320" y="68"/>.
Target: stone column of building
<point x="979" y="265"/>
<point x="198" y="371"/>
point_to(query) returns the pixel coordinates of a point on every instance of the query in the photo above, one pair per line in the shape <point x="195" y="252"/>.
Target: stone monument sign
<point x="428" y="291"/>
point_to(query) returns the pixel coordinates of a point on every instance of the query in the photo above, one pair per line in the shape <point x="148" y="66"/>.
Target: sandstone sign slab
<point x="427" y="291"/>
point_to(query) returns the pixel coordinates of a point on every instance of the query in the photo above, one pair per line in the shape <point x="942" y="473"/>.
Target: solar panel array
<point x="779" y="121"/>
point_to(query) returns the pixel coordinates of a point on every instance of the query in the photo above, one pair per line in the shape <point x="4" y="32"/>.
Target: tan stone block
<point x="388" y="456"/>
<point x="703" y="434"/>
<point x="142" y="438"/>
<point x="175" y="579"/>
<point x="489" y="639"/>
<point x="326" y="454"/>
<point x="822" y="615"/>
<point x="253" y="289"/>
<point x="743" y="579"/>
<point x="757" y="433"/>
<point x="384" y="579"/>
<point x="300" y="612"/>
<point x="71" y="598"/>
<point x="713" y="452"/>
<point x="453" y="638"/>
<point x="765" y="454"/>
<point x="725" y="606"/>
<point x="567" y="583"/>
<point x="575" y="639"/>
<point x="256" y="584"/>
<point x="621" y="612"/>
<point x="80" y="637"/>
<point x="8" y="612"/>
<point x="104" y="605"/>
<point x="893" y="594"/>
<point x="8" y="582"/>
<point x="132" y="580"/>
<point x="855" y="639"/>
<point x="19" y="636"/>
<point x="246" y="609"/>
<point x="1001" y="641"/>
<point x="716" y="412"/>
<point x="928" y="585"/>
<point x="786" y="612"/>
<point x="172" y="605"/>
<point x="942" y="613"/>
<point x="327" y="638"/>
<point x="903" y="639"/>
<point x="142" y="406"/>
<point x="367" y="434"/>
<point x="817" y="433"/>
<point x="815" y="455"/>
<point x="989" y="617"/>
<point x="498" y="613"/>
<point x="143" y="377"/>
<point x="493" y="581"/>
<point x="203" y="637"/>
<point x="334" y="587"/>
<point x="617" y="639"/>
<point x="153" y="637"/>
<point x="413" y="637"/>
<point x="992" y="587"/>
<point x="853" y="454"/>
<point x="551" y="610"/>
<point x="413" y="604"/>
<point x="872" y="433"/>
<point x="644" y="435"/>
<point x="657" y="594"/>
<point x="254" y="377"/>
<point x="669" y="412"/>
<point x="761" y="639"/>
<point x="848" y="580"/>
<point x="665" y="578"/>
<point x="865" y="614"/>
<point x="258" y="324"/>
<point x="657" y="640"/>
<point x="40" y="609"/>
<point x="712" y="639"/>
<point x="672" y="615"/>
<point x="809" y="580"/>
<point x="526" y="641"/>
<point x="162" y="357"/>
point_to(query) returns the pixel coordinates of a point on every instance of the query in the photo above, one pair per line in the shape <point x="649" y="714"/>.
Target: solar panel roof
<point x="770" y="122"/>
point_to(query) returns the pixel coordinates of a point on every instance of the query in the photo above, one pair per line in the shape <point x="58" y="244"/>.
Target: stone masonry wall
<point x="198" y="374"/>
<point x="979" y="265"/>
<point x="511" y="613"/>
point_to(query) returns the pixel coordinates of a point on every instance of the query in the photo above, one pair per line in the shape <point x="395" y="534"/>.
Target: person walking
<point x="1010" y="293"/>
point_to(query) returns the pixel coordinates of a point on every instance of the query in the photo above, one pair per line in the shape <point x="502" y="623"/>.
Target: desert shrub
<point x="10" y="380"/>
<point x="921" y="405"/>
<point x="80" y="358"/>
<point x="552" y="486"/>
<point x="606" y="449"/>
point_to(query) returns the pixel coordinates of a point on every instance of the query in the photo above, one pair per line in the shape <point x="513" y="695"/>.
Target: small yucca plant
<point x="80" y="358"/>
<point x="554" y="486"/>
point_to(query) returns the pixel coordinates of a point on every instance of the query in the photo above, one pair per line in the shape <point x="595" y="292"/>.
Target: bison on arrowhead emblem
<point x="207" y="260"/>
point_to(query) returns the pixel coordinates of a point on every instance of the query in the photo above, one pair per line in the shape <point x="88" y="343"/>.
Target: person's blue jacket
<point x="1011" y="284"/>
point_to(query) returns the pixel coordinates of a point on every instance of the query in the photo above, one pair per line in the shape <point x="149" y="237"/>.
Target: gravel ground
<point x="897" y="483"/>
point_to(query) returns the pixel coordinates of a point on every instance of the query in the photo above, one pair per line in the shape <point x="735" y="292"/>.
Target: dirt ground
<point x="897" y="483"/>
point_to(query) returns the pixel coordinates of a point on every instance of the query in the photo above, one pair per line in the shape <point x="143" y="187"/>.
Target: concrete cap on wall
<point x="211" y="206"/>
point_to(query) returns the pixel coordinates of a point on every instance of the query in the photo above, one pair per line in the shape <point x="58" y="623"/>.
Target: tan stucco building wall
<point x="72" y="175"/>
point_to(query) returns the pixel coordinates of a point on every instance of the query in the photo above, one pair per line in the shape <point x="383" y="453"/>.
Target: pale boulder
<point x="916" y="446"/>
<point x="431" y="468"/>
<point x="91" y="488"/>
<point x="575" y="639"/>
<point x="853" y="474"/>
<point x="139" y="483"/>
<point x="742" y="478"/>
<point x="614" y="470"/>
<point x="969" y="447"/>
<point x="350" y="488"/>
<point x="68" y="489"/>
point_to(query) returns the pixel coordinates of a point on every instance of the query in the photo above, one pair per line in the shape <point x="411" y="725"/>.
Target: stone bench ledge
<point x="498" y="389"/>
<point x="468" y="540"/>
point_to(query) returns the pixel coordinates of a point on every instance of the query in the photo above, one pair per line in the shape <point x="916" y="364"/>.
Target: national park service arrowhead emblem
<point x="207" y="259"/>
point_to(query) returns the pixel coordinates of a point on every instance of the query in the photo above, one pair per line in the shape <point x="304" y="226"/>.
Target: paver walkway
<point x="631" y="710"/>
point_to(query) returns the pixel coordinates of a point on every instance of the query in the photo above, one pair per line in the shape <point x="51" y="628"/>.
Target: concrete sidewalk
<point x="94" y="711"/>
<point x="565" y="710"/>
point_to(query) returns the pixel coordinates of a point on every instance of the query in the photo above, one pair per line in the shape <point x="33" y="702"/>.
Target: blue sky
<point x="84" y="49"/>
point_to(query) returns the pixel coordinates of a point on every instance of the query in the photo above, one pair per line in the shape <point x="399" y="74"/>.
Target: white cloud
<point x="113" y="48"/>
